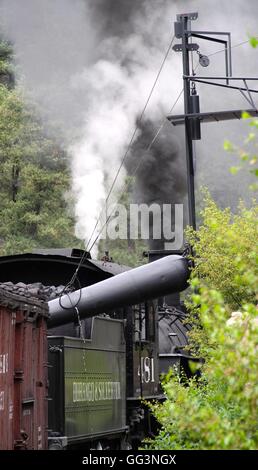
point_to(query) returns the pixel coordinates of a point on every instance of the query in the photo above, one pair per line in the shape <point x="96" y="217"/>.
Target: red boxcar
<point x="23" y="369"/>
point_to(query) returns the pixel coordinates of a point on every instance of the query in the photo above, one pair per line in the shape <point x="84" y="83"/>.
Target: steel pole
<point x="188" y="133"/>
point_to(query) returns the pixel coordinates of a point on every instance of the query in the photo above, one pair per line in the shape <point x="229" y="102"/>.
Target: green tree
<point x="219" y="409"/>
<point x="34" y="176"/>
<point x="247" y="154"/>
<point x="6" y="66"/>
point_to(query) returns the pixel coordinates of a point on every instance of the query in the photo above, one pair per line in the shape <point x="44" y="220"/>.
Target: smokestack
<point x="162" y="277"/>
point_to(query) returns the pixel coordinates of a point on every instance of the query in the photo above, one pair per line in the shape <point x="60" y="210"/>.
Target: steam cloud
<point x="90" y="65"/>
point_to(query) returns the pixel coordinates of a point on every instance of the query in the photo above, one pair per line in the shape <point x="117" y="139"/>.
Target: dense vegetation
<point x="33" y="172"/>
<point x="35" y="180"/>
<point x="218" y="409"/>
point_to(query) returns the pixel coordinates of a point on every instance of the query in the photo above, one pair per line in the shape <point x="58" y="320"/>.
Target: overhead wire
<point x="250" y="100"/>
<point x="140" y="161"/>
<point x="139" y="120"/>
<point x="232" y="47"/>
<point x="144" y="109"/>
<point x="135" y="171"/>
<point x="155" y="138"/>
<point x="75" y="274"/>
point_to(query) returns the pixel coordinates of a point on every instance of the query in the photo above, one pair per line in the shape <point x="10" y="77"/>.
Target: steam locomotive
<point x="108" y="340"/>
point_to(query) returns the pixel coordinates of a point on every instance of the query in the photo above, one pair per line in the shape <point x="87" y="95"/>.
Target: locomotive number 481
<point x="146" y="369"/>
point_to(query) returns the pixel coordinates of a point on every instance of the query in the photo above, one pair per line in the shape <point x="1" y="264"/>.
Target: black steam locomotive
<point x="108" y="341"/>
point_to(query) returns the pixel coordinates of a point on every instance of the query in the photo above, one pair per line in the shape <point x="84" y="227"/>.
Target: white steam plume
<point x="98" y="97"/>
<point x="117" y="96"/>
<point x="90" y="65"/>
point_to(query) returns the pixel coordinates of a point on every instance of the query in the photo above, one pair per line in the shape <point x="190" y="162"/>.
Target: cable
<point x="232" y="47"/>
<point x="133" y="136"/>
<point x="75" y="274"/>
<point x="152" y="142"/>
<point x="249" y="93"/>
<point x="140" y="161"/>
<point x="65" y="291"/>
<point x="136" y="169"/>
<point x="131" y="141"/>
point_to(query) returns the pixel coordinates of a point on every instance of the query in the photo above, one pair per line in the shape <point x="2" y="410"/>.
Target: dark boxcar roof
<point x="55" y="267"/>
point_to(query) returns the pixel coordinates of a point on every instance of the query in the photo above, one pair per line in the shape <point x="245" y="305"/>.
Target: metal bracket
<point x="190" y="47"/>
<point x="209" y="36"/>
<point x="248" y="98"/>
<point x="202" y="79"/>
<point x="189" y="16"/>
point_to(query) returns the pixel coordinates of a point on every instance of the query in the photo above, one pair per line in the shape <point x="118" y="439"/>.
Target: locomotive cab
<point x="142" y="371"/>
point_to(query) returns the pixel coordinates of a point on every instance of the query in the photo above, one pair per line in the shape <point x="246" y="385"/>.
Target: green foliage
<point x="6" y="51"/>
<point x="219" y="410"/>
<point x="247" y="154"/>
<point x="225" y="251"/>
<point x="34" y="177"/>
<point x="253" y="41"/>
<point x="6" y="66"/>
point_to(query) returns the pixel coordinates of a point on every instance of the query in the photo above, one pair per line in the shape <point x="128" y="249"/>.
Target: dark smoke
<point x="115" y="16"/>
<point x="90" y="65"/>
<point x="161" y="175"/>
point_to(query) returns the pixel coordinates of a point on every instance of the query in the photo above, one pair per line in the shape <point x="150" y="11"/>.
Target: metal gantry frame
<point x="192" y="117"/>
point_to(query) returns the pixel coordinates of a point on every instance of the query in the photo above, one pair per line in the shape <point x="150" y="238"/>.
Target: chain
<point x="82" y="337"/>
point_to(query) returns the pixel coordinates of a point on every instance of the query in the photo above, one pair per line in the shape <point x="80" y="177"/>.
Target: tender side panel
<point x="93" y="390"/>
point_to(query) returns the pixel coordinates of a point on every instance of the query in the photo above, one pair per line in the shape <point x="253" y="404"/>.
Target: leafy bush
<point x="220" y="409"/>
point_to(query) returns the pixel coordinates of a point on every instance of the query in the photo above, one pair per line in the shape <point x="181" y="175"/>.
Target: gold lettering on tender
<point x="96" y="391"/>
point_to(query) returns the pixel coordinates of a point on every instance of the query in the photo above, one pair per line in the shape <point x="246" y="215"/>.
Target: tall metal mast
<point x="181" y="31"/>
<point x="192" y="117"/>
